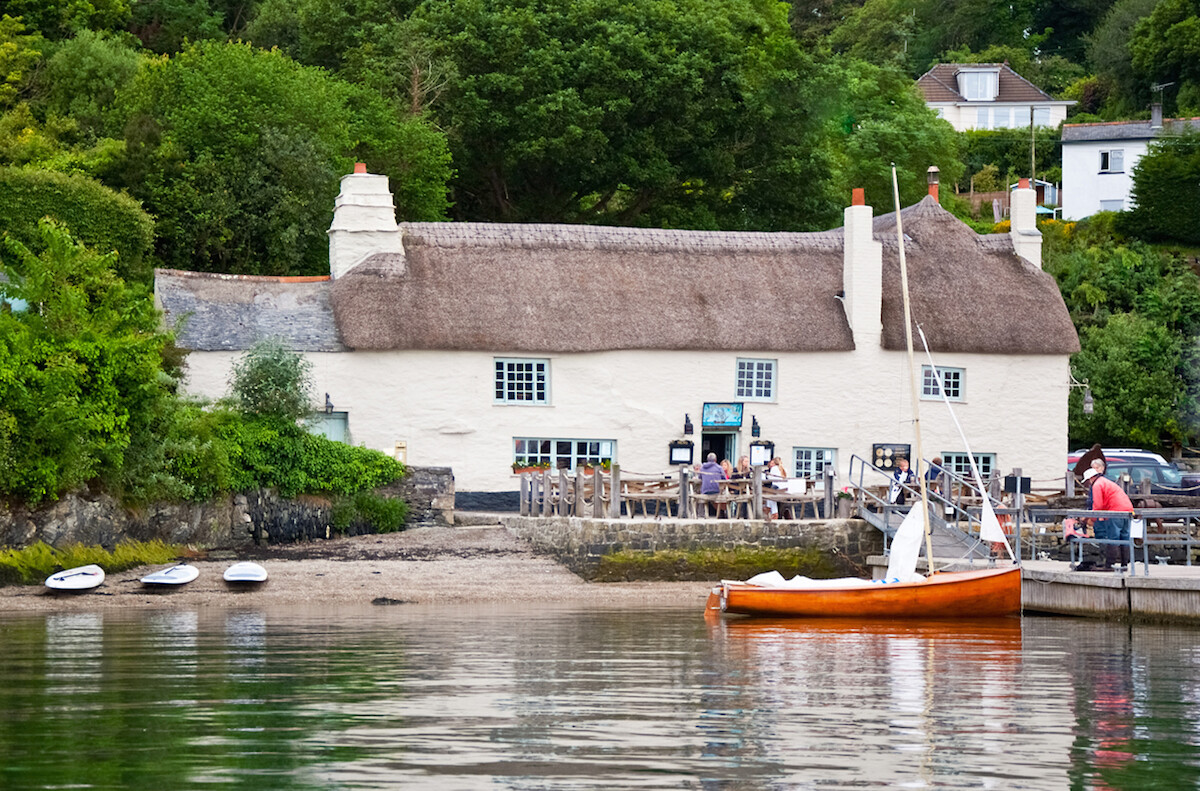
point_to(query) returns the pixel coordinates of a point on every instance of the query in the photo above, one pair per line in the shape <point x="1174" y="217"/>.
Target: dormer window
<point x="978" y="86"/>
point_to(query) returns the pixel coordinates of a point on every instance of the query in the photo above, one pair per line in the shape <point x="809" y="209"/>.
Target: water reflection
<point x="525" y="698"/>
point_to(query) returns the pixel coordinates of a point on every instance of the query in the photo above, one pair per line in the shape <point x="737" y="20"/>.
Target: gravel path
<point x="419" y="566"/>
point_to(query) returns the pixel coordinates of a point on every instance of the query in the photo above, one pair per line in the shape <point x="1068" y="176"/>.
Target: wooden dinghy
<point x="985" y="593"/>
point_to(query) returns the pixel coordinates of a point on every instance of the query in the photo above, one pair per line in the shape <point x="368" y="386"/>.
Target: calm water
<point x="537" y="698"/>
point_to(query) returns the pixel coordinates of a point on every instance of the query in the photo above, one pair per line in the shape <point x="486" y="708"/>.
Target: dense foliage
<point x="1166" y="191"/>
<point x="1138" y="314"/>
<point x="80" y="368"/>
<point x="87" y="398"/>
<point x="34" y="563"/>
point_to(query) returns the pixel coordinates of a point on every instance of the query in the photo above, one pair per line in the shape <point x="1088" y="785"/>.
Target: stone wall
<point x="580" y="543"/>
<point x="228" y="521"/>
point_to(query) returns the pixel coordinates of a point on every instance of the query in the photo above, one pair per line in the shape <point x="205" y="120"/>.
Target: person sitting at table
<point x="711" y="475"/>
<point x="777" y="477"/>
<point x="743" y="469"/>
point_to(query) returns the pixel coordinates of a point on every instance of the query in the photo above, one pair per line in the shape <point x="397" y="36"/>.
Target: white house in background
<point x="476" y="345"/>
<point x="1098" y="161"/>
<point x="988" y="96"/>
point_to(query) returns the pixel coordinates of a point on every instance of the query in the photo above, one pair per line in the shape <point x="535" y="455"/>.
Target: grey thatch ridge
<point x="542" y="236"/>
<point x="216" y="312"/>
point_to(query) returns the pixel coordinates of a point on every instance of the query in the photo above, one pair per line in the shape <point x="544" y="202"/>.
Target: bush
<point x="98" y="217"/>
<point x="270" y="380"/>
<point x="381" y="514"/>
<point x="1166" y="192"/>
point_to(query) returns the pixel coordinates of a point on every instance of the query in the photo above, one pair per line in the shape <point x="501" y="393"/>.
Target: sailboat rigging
<point x="902" y="593"/>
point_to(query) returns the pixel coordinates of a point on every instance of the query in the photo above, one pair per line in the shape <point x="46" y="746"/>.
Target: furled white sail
<point x="906" y="546"/>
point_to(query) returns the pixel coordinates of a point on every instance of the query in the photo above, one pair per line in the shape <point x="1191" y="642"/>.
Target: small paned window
<point x="521" y="381"/>
<point x="960" y="463"/>
<point x="756" y="380"/>
<point x="978" y="86"/>
<point x="934" y="381"/>
<point x="562" y="454"/>
<point x="811" y="462"/>
<point x="1112" y="161"/>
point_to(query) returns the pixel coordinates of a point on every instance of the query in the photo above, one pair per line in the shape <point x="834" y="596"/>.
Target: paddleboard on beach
<point x="245" y="573"/>
<point x="180" y="574"/>
<point x="77" y="579"/>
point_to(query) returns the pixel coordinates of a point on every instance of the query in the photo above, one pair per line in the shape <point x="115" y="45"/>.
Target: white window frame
<point x="979" y="85"/>
<point x="1117" y="204"/>
<point x="1107" y="160"/>
<point x="810" y="463"/>
<point x="958" y="463"/>
<point x="750" y="383"/>
<point x="983" y="117"/>
<point x="513" y="385"/>
<point x="1041" y="116"/>
<point x="563" y="452"/>
<point x="953" y="379"/>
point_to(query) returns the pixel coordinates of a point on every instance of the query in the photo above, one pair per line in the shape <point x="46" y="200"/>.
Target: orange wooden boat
<point x="985" y="593"/>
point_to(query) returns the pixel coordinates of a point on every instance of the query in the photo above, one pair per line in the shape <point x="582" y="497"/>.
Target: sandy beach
<point x="427" y="565"/>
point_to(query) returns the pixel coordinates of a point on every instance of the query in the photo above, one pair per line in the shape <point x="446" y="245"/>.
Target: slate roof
<point x="940" y="85"/>
<point x="212" y="312"/>
<point x="1126" y="130"/>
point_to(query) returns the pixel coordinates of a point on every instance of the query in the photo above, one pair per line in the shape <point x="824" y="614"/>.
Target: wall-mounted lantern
<point x="687" y="424"/>
<point x="755" y="429"/>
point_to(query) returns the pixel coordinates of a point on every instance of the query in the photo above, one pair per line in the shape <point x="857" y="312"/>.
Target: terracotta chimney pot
<point x="360" y="167"/>
<point x="858" y="197"/>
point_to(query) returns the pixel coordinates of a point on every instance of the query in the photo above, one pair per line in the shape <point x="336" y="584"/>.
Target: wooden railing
<point x="612" y="494"/>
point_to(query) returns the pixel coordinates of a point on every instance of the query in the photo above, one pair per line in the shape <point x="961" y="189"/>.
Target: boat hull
<point x="985" y="593"/>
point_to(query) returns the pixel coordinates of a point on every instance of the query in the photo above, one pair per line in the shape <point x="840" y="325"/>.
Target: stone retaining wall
<point x="580" y="543"/>
<point x="237" y="519"/>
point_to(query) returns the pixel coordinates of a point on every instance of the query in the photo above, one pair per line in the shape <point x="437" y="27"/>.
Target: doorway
<point x="722" y="443"/>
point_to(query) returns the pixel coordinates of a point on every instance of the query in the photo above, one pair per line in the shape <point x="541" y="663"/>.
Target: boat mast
<point x="912" y="374"/>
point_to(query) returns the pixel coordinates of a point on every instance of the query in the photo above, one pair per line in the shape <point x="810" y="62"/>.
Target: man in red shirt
<point x="1107" y="496"/>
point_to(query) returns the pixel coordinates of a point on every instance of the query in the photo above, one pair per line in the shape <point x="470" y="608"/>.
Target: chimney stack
<point x="1026" y="238"/>
<point x="364" y="221"/>
<point x="862" y="274"/>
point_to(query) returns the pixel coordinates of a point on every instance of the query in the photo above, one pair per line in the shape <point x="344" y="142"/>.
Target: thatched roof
<point x="573" y="288"/>
<point x="969" y="293"/>
<point x="213" y="312"/>
<point x="570" y="288"/>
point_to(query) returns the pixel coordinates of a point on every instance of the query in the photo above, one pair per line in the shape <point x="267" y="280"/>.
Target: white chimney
<point x="862" y="275"/>
<point x="1026" y="238"/>
<point x="364" y="222"/>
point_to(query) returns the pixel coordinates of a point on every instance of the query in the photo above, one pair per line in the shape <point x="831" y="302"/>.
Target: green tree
<point x="1166" y="192"/>
<point x="81" y="79"/>
<point x="879" y="33"/>
<point x="56" y="19"/>
<point x="1109" y="56"/>
<point x="270" y="380"/>
<point x="1052" y="73"/>
<point x="882" y="119"/>
<point x="687" y="114"/>
<point x="19" y="51"/>
<point x="78" y="368"/>
<point x="238" y="152"/>
<point x="1165" y="47"/>
<point x="1068" y="22"/>
<point x="164" y="25"/>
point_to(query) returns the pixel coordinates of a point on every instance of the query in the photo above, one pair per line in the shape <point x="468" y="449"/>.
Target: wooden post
<point x="1069" y="489"/>
<point x="560" y="507"/>
<point x="830" y="494"/>
<point x="526" y="497"/>
<point x="598" y="495"/>
<point x="614" y="492"/>
<point x="756" y="501"/>
<point x="1019" y="504"/>
<point x="685" y="492"/>
<point x="577" y="508"/>
<point x="1146" y="484"/>
<point x="545" y="476"/>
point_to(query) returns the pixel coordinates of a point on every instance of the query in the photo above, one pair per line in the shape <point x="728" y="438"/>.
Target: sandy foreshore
<point x="429" y="565"/>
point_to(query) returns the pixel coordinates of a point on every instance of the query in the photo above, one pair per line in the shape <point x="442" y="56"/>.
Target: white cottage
<point x="475" y="346"/>
<point x="1098" y="160"/>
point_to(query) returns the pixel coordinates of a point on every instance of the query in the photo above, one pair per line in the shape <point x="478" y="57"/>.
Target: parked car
<point x="1165" y="477"/>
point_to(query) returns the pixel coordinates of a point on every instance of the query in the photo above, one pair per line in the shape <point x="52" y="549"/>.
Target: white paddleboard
<point x="175" y="575"/>
<point x="245" y="572"/>
<point x="76" y="579"/>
